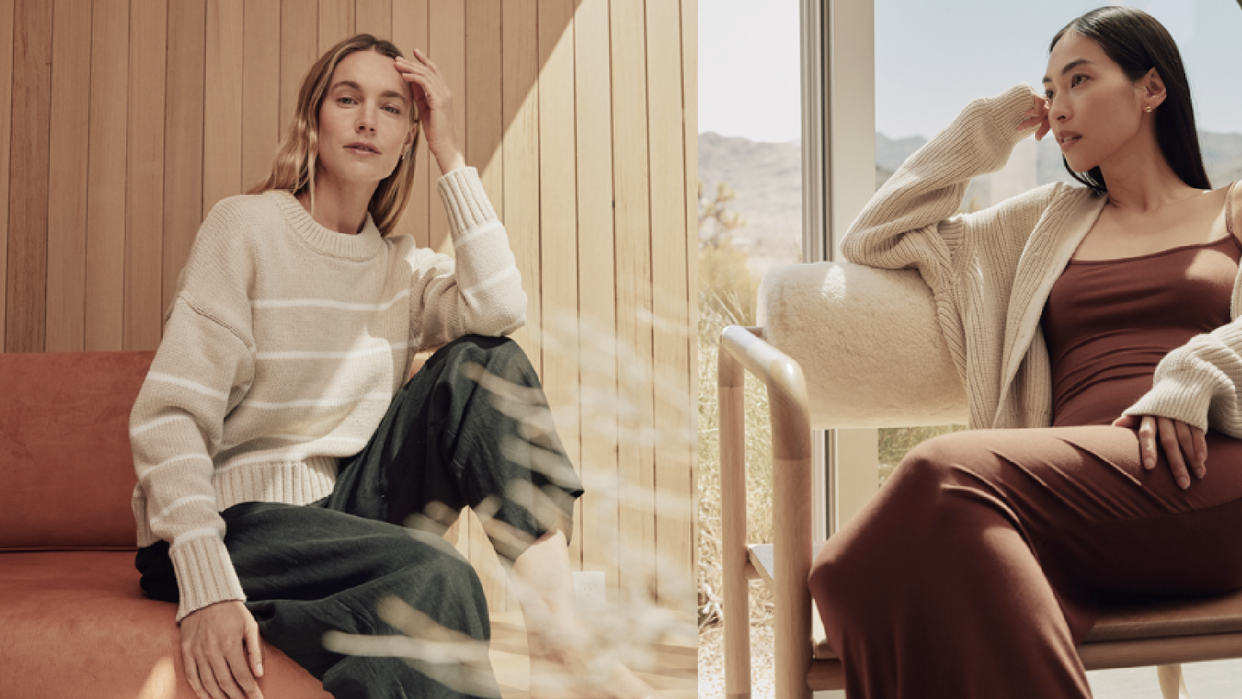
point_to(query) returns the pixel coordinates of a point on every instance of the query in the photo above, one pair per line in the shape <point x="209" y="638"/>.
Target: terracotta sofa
<point x="73" y="622"/>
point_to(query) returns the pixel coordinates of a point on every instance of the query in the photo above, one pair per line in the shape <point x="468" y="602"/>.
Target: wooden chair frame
<point x="1163" y="635"/>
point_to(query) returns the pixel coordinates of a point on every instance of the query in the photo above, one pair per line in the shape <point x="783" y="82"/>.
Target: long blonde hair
<point x="293" y="168"/>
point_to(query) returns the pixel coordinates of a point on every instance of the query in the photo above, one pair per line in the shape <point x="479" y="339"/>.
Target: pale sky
<point x="934" y="57"/>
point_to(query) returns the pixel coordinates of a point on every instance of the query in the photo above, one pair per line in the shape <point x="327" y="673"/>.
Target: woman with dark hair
<point x="1096" y="331"/>
<point x="280" y="449"/>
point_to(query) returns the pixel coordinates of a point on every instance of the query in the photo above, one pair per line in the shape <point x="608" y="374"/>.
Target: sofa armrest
<point x="869" y="344"/>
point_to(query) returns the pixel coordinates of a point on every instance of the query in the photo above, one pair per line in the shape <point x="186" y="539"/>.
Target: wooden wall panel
<point x="483" y="133"/>
<point x="6" y="123"/>
<point x="223" y="83"/>
<point x="67" y="180"/>
<point x="144" y="178"/>
<point x="374" y="17"/>
<point x="596" y="292"/>
<point x="105" y="199"/>
<point x="690" y="128"/>
<point x="137" y="116"/>
<point x="410" y="31"/>
<point x="261" y="127"/>
<point x="670" y="289"/>
<point x="631" y="190"/>
<point x="183" y="137"/>
<point x="558" y="229"/>
<point x="336" y="22"/>
<point x="299" y="48"/>
<point x="26" y="262"/>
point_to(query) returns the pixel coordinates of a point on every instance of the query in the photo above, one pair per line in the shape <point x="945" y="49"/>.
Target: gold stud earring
<point x="1149" y="109"/>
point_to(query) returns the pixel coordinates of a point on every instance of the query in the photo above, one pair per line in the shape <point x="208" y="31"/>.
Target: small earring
<point x="1149" y="109"/>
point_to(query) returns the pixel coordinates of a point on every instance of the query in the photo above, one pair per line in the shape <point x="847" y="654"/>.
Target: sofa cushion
<point x="75" y="624"/>
<point x="66" y="469"/>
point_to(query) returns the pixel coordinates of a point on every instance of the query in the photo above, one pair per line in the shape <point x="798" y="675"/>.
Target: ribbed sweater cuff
<point x="465" y="200"/>
<point x="1188" y="403"/>
<point x="205" y="574"/>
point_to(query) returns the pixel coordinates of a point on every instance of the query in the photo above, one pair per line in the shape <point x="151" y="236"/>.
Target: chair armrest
<point x="869" y="342"/>
<point x="742" y="349"/>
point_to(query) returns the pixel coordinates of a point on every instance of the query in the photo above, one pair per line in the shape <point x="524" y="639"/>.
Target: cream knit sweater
<point x="283" y="347"/>
<point x="991" y="272"/>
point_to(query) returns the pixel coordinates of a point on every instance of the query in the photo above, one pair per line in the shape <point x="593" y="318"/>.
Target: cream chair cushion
<point x="868" y="343"/>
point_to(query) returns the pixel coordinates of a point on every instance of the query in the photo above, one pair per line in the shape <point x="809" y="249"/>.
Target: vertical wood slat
<point x="336" y="22"/>
<point x="26" y="257"/>
<point x="690" y="117"/>
<point x="446" y="47"/>
<point x="261" y="127"/>
<point x="410" y="31"/>
<point x="671" y="301"/>
<point x="105" y="198"/>
<point x="633" y="265"/>
<point x="558" y="239"/>
<point x="67" y="181"/>
<point x="520" y="107"/>
<point x="223" y="81"/>
<point x="6" y="123"/>
<point x="597" y="291"/>
<point x="374" y="17"/>
<point x="299" y="48"/>
<point x="183" y="138"/>
<point x="144" y="179"/>
<point x="484" y="132"/>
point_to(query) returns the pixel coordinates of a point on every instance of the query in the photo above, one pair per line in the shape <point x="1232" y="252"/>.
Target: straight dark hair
<point x="1137" y="42"/>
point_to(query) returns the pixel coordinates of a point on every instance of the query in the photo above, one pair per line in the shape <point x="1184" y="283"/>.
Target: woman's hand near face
<point x="1185" y="446"/>
<point x="435" y="109"/>
<point x="1037" y="114"/>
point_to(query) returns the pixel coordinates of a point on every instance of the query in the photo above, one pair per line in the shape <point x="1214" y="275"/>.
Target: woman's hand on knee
<point x="1185" y="446"/>
<point x="221" y="652"/>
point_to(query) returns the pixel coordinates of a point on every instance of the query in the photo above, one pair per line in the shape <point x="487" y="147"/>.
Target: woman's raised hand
<point x="1185" y="446"/>
<point x="1037" y="114"/>
<point x="435" y="109"/>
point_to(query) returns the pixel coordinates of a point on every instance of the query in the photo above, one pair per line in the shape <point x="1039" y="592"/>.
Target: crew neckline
<point x="363" y="245"/>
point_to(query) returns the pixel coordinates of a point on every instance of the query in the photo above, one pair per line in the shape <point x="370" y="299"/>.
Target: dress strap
<point x="1229" y="208"/>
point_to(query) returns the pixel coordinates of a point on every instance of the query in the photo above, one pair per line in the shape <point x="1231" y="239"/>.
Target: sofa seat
<point x="85" y="607"/>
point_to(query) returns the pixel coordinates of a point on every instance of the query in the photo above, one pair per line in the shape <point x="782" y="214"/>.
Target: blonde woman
<point x="278" y="446"/>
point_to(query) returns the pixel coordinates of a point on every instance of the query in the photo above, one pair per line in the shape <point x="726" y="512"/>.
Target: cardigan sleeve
<point x="1199" y="383"/>
<point x="912" y="221"/>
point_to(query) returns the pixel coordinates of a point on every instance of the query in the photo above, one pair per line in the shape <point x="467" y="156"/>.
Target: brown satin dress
<point x="977" y="568"/>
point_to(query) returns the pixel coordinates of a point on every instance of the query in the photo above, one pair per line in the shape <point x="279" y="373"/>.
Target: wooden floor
<point x="675" y="677"/>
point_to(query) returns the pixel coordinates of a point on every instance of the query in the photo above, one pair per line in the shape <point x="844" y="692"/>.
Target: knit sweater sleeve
<point x="1200" y="383"/>
<point x="201" y="370"/>
<point x="481" y="291"/>
<point x="911" y="222"/>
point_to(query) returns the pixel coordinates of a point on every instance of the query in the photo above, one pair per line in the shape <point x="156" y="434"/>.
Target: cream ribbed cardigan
<point x="283" y="348"/>
<point x="991" y="272"/>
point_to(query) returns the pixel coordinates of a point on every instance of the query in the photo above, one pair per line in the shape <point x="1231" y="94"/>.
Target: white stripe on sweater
<point x="178" y="503"/>
<point x="317" y="402"/>
<point x="329" y="303"/>
<point x="181" y="457"/>
<point x="332" y="355"/>
<point x="158" y="422"/>
<point x="186" y="383"/>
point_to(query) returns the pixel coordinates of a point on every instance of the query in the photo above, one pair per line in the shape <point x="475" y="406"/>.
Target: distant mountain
<point x="766" y="178"/>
